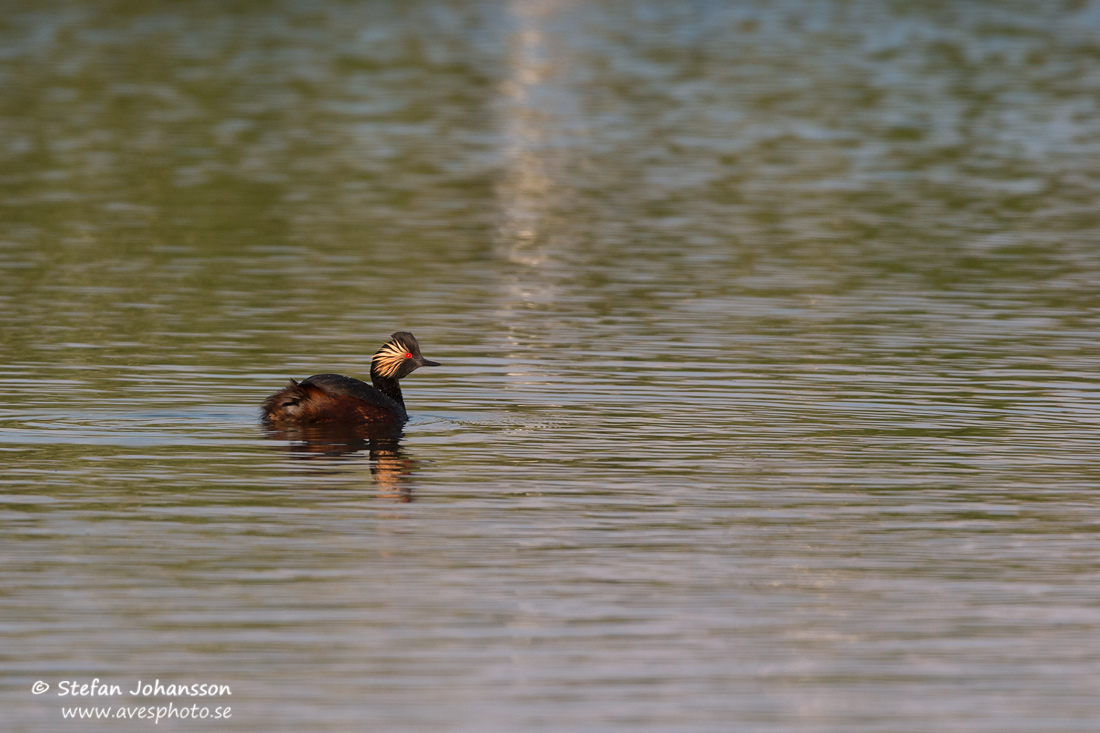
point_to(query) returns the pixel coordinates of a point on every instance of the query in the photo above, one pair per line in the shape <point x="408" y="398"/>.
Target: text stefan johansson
<point x="142" y="689"/>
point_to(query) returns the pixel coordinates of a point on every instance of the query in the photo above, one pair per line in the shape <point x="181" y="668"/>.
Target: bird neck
<point x="387" y="386"/>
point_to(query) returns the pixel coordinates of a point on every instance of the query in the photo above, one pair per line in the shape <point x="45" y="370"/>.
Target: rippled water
<point x="769" y="342"/>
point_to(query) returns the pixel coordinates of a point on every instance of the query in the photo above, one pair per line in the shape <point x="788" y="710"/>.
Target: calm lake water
<point x="769" y="331"/>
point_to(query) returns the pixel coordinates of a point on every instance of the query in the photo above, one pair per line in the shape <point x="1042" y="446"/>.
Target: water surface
<point x="768" y="330"/>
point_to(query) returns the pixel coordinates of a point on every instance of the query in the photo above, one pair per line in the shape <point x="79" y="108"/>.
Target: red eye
<point x="408" y="355"/>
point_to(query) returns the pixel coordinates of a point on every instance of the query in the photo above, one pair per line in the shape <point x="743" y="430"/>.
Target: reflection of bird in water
<point x="334" y="398"/>
<point x="389" y="466"/>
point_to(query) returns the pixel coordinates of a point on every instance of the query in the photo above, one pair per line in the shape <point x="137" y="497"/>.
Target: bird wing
<point x="360" y="390"/>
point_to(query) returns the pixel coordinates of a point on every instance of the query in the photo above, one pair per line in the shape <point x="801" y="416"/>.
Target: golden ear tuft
<point x="390" y="358"/>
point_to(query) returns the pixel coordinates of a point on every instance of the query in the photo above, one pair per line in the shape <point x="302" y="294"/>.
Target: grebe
<point x="336" y="398"/>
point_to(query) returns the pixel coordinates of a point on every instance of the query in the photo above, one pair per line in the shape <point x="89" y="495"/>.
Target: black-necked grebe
<point x="336" y="398"/>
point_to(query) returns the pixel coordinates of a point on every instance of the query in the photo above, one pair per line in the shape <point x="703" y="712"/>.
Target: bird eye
<point x="408" y="355"/>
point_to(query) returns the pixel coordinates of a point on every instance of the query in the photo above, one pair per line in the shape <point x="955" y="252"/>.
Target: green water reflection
<point x="769" y="333"/>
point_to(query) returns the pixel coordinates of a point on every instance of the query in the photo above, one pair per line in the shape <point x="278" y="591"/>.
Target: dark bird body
<point x="334" y="398"/>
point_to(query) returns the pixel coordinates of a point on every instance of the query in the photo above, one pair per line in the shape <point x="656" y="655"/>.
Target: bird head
<point x="399" y="357"/>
